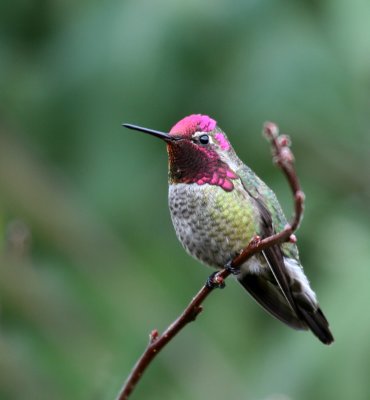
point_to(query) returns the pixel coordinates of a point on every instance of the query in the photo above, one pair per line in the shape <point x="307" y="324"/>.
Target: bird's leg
<point x="215" y="282"/>
<point x="233" y="270"/>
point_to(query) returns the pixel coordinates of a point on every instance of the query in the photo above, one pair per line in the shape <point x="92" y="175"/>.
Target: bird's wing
<point x="267" y="200"/>
<point x="274" y="259"/>
<point x="276" y="295"/>
<point x="272" y="219"/>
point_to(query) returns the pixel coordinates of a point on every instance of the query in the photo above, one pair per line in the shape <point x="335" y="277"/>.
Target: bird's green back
<point x="259" y="190"/>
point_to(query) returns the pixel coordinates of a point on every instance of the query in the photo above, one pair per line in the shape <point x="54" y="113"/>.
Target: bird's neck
<point x="190" y="164"/>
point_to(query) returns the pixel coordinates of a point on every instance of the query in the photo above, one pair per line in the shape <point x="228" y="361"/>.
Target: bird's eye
<point x="204" y="139"/>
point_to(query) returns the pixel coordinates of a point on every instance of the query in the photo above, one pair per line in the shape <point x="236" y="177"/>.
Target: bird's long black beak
<point x="164" y="136"/>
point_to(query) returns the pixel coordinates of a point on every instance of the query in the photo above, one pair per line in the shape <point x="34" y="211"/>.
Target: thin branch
<point x="284" y="159"/>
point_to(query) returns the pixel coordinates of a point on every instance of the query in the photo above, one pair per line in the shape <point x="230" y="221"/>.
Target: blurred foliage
<point x="89" y="261"/>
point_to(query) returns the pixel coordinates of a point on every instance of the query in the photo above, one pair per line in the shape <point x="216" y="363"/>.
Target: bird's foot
<point x="233" y="270"/>
<point x="215" y="281"/>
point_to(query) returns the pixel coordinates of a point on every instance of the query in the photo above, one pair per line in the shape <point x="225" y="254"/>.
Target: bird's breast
<point x="213" y="225"/>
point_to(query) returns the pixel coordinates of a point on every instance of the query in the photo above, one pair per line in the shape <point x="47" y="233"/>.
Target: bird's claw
<point x="233" y="270"/>
<point x="215" y="281"/>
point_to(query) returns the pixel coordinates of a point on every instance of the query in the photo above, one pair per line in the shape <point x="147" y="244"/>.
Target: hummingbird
<point x="218" y="205"/>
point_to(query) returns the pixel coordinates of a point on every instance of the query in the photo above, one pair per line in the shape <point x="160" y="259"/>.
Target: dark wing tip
<point x="318" y="324"/>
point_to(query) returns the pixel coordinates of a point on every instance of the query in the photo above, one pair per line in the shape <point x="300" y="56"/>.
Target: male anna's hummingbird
<point x="218" y="205"/>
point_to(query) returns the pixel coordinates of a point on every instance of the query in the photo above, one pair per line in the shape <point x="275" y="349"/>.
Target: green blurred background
<point x="89" y="260"/>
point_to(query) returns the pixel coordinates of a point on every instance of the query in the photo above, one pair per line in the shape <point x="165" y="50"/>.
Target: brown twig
<point x="284" y="158"/>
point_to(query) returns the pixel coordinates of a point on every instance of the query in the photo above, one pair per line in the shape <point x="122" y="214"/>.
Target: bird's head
<point x="198" y="152"/>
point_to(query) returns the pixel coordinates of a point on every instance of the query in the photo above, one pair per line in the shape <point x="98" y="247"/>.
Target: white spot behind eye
<point x="197" y="134"/>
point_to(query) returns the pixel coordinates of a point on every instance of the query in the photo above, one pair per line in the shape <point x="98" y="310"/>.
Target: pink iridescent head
<point x="199" y="152"/>
<point x="197" y="125"/>
<point x="187" y="126"/>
